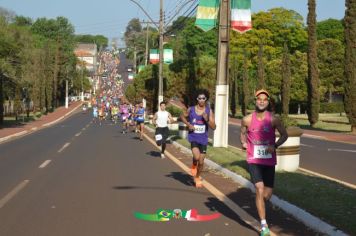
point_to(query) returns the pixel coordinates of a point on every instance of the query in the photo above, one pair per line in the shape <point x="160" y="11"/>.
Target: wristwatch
<point x="275" y="146"/>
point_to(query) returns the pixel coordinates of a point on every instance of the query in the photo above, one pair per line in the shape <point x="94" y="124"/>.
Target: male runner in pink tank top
<point x="258" y="137"/>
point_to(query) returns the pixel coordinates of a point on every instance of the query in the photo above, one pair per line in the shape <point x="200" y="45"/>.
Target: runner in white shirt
<point x="160" y="120"/>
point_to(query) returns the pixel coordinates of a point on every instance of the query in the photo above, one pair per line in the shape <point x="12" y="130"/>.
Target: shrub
<point x="334" y="107"/>
<point x="175" y="111"/>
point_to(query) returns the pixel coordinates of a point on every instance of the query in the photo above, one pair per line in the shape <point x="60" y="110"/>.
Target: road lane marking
<point x="329" y="178"/>
<point x="13" y="192"/>
<point x="313" y="136"/>
<point x="64" y="147"/>
<point x="341" y="150"/>
<point x="44" y="164"/>
<point x="306" y="145"/>
<point x="78" y="134"/>
<point x="244" y="216"/>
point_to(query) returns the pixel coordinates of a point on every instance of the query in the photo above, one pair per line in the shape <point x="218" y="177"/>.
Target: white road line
<point x="313" y="136"/>
<point x="78" y="134"/>
<point x="44" y="164"/>
<point x="329" y="178"/>
<point x="306" y="145"/>
<point x="13" y="192"/>
<point x="64" y="147"/>
<point x="341" y="150"/>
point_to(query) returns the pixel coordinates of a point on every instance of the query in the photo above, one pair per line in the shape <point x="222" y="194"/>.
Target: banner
<point x="241" y="15"/>
<point x="154" y="56"/>
<point x="207" y="14"/>
<point x="168" y="56"/>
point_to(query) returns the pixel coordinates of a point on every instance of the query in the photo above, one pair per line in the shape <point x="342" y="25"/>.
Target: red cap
<point x="258" y="92"/>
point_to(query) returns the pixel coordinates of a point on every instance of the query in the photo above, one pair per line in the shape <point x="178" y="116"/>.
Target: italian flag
<point x="207" y="14"/>
<point x="241" y="15"/>
<point x="154" y="56"/>
<point x="168" y="56"/>
<point x="131" y="76"/>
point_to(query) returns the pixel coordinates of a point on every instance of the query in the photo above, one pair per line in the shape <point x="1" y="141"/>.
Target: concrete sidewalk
<point x="8" y="133"/>
<point x="330" y="136"/>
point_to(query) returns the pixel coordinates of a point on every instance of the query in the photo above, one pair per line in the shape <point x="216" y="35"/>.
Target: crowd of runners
<point x="257" y="132"/>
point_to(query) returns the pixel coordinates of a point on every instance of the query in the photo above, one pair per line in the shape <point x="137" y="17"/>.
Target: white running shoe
<point x="162" y="156"/>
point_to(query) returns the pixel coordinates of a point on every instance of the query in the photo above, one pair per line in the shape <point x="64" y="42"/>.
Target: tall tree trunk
<point x="1" y="99"/>
<point x="313" y="73"/>
<point x="245" y="90"/>
<point x="286" y="83"/>
<point x="55" y="77"/>
<point x="261" y="69"/>
<point x="350" y="63"/>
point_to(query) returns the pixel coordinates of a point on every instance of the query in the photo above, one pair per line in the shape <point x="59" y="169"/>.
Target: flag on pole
<point x="131" y="76"/>
<point x="241" y="15"/>
<point x="154" y="56"/>
<point x="207" y="14"/>
<point x="168" y="56"/>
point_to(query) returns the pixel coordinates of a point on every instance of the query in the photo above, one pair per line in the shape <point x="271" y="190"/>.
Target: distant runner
<point x="140" y="119"/>
<point x="258" y="137"/>
<point x="125" y="114"/>
<point x="160" y="120"/>
<point x="200" y="118"/>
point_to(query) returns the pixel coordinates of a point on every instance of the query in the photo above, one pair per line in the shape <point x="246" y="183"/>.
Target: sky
<point x="110" y="17"/>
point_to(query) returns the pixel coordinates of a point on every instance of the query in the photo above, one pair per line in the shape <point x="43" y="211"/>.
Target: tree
<point x="350" y="62"/>
<point x="260" y="69"/>
<point x="313" y="73"/>
<point x="245" y="85"/>
<point x="100" y="40"/>
<point x="286" y="74"/>
<point x="330" y="29"/>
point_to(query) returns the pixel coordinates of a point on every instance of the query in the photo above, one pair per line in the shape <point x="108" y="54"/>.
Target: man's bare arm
<point x="282" y="131"/>
<point x="212" y="123"/>
<point x="243" y="133"/>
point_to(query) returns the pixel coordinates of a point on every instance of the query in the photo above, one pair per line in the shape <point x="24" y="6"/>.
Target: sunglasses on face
<point x="262" y="99"/>
<point x="201" y="98"/>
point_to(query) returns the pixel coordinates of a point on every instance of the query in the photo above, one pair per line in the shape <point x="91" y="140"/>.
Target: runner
<point x="140" y="119"/>
<point x="101" y="114"/>
<point x="160" y="120"/>
<point x="124" y="110"/>
<point x="258" y="137"/>
<point x="95" y="114"/>
<point x="200" y="119"/>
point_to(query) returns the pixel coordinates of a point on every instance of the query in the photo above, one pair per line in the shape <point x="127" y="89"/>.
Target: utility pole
<point x="222" y="75"/>
<point x="146" y="53"/>
<point x="160" y="73"/>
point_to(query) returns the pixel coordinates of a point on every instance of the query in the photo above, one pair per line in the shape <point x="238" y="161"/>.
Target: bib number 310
<point x="260" y="152"/>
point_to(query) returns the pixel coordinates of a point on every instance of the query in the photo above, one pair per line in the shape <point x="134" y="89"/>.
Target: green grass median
<point x="330" y="201"/>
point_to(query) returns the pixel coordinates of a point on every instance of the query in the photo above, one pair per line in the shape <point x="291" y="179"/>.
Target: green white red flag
<point x="154" y="56"/>
<point x="241" y="15"/>
<point x="207" y="14"/>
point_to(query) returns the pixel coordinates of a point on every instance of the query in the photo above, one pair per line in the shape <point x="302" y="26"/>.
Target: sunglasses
<point x="201" y="98"/>
<point x="262" y="100"/>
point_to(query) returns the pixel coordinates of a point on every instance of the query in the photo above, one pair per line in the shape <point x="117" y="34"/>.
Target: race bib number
<point x="199" y="129"/>
<point x="158" y="137"/>
<point x="260" y="152"/>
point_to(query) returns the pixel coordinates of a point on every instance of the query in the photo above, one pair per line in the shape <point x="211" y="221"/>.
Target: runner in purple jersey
<point x="258" y="137"/>
<point x="200" y="118"/>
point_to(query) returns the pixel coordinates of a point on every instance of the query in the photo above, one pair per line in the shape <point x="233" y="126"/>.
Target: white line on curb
<point x="78" y="134"/>
<point x="340" y="150"/>
<point x="13" y="192"/>
<point x="64" y="147"/>
<point x="44" y="164"/>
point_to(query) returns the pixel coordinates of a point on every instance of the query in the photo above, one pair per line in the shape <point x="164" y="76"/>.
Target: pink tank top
<point x="260" y="135"/>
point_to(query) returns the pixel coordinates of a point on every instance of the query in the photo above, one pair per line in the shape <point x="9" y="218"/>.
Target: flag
<point x="131" y="76"/>
<point x="241" y="15"/>
<point x="154" y="56"/>
<point x="207" y="14"/>
<point x="168" y="56"/>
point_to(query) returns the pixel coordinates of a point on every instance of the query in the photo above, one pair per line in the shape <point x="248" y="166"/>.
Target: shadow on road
<point x="123" y="188"/>
<point x="153" y="154"/>
<point x="182" y="177"/>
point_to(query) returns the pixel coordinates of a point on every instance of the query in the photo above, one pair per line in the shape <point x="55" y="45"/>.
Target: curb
<point x="3" y="139"/>
<point x="303" y="216"/>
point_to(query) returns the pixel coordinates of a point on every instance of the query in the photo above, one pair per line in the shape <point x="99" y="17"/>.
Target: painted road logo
<point x="166" y="215"/>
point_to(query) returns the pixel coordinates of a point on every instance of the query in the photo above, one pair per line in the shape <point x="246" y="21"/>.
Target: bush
<point x="175" y="111"/>
<point x="334" y="107"/>
<point x="287" y="121"/>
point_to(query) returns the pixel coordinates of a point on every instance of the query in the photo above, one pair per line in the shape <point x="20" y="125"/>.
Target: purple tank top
<point x="200" y="134"/>
<point x="260" y="135"/>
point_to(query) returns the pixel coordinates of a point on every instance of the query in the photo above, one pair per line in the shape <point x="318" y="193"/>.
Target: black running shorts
<point x="262" y="173"/>
<point x="163" y="131"/>
<point x="202" y="148"/>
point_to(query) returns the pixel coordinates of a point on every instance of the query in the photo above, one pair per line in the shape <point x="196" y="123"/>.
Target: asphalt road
<point x="333" y="159"/>
<point x="92" y="180"/>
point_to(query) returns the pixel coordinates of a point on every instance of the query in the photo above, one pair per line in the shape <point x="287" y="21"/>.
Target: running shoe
<point x="194" y="170"/>
<point x="264" y="231"/>
<point x="162" y="156"/>
<point x="198" y="183"/>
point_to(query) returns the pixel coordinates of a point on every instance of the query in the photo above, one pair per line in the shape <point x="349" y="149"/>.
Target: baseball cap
<point x="258" y="92"/>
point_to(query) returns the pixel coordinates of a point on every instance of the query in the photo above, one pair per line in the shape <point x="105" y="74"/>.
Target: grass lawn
<point x="328" y="200"/>
<point x="323" y="126"/>
<point x="22" y="118"/>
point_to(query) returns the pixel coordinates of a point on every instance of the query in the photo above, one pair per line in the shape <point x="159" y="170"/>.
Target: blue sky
<point x="110" y="17"/>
